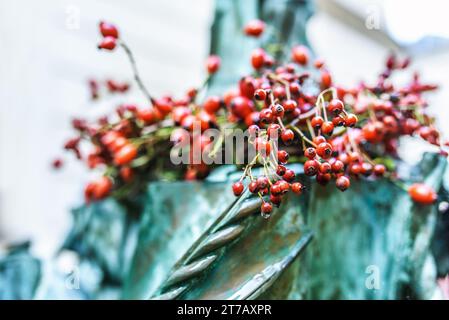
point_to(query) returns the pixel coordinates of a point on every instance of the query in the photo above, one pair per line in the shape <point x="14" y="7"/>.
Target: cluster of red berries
<point x="338" y="133"/>
<point x="110" y="36"/>
<point x="113" y="86"/>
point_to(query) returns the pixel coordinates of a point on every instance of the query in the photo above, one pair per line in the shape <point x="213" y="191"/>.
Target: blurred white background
<point x="48" y="51"/>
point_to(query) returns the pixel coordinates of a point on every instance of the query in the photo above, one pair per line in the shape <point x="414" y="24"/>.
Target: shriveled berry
<point x="238" y="188"/>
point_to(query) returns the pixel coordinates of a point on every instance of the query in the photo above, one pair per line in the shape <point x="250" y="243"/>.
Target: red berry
<point x="422" y="194"/>
<point x="310" y="153"/>
<point x="323" y="179"/>
<point x="351" y="120"/>
<point x="273" y="130"/>
<point x="253" y="130"/>
<point x="262" y="146"/>
<point x="125" y="155"/>
<point x="275" y="189"/>
<point x="297" y="187"/>
<point x="338" y="166"/>
<point x="366" y="169"/>
<point x="355" y="169"/>
<point x="379" y="170"/>
<point x="254" y="28"/>
<point x="327" y="127"/>
<point x="326" y="79"/>
<point x="283" y="156"/>
<point x="290" y="105"/>
<point x="253" y="187"/>
<point x="258" y="58"/>
<point x="289" y="175"/>
<point x="108" y="43"/>
<point x="238" y="188"/>
<point x="325" y="167"/>
<point x="279" y="92"/>
<point x="213" y="64"/>
<point x="277" y="110"/>
<point x="266" y="208"/>
<point x="126" y="173"/>
<point x="300" y="55"/>
<point x="338" y="121"/>
<point x="284" y="186"/>
<point x="311" y="167"/>
<point x="287" y="136"/>
<point x="266" y="116"/>
<point x="57" y="163"/>
<point x="295" y="88"/>
<point x="108" y="30"/>
<point x="262" y="182"/>
<point x="276" y="199"/>
<point x="212" y="104"/>
<point x="317" y="122"/>
<point x="280" y="170"/>
<point x="324" y="150"/>
<point x="319" y="139"/>
<point x="178" y="114"/>
<point x="335" y="106"/>
<point x="343" y="183"/>
<point x="260" y="95"/>
<point x="241" y="106"/>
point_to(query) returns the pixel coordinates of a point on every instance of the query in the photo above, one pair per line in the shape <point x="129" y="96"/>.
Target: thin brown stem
<point x="137" y="77"/>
